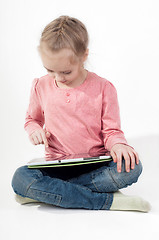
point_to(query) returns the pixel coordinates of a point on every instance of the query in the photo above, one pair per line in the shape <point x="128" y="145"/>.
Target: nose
<point x="59" y="78"/>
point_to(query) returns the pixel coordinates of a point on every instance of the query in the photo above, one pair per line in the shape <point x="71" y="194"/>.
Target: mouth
<point x="62" y="81"/>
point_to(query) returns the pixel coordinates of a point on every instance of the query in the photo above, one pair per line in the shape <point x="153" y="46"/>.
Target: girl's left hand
<point x="130" y="156"/>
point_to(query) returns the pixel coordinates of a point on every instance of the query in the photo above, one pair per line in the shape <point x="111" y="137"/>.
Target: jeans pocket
<point x="103" y="182"/>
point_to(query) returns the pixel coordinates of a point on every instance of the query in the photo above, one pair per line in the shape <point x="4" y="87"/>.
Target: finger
<point x="114" y="156"/>
<point x="119" y="162"/>
<point x="32" y="141"/>
<point x="137" y="157"/>
<point x="127" y="161"/>
<point x="44" y="139"/>
<point x="132" y="160"/>
<point x="35" y="139"/>
<point x="39" y="138"/>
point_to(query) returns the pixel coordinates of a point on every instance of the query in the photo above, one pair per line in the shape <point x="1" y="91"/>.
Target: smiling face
<point x="63" y="66"/>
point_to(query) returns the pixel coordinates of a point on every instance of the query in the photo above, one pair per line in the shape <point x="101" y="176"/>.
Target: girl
<point x="81" y="115"/>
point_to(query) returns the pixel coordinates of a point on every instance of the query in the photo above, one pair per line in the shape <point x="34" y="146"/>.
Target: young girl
<point x="81" y="115"/>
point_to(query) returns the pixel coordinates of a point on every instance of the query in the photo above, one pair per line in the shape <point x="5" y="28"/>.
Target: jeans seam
<point x="40" y="175"/>
<point x="110" y="199"/>
<point x="93" y="176"/>
<point x="52" y="194"/>
<point x="110" y="173"/>
<point x="95" y="186"/>
<point x="35" y="180"/>
<point x="105" y="202"/>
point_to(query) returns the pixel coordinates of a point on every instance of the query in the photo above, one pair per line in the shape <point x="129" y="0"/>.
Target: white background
<point x="124" y="37"/>
<point x="123" y="47"/>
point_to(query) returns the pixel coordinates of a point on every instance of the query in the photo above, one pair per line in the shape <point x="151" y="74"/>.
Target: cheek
<point x="74" y="75"/>
<point x="70" y="77"/>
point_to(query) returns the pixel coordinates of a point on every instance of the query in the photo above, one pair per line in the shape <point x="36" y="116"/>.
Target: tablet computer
<point x="69" y="160"/>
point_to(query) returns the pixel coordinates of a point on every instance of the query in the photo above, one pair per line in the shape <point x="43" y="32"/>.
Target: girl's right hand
<point x="40" y="137"/>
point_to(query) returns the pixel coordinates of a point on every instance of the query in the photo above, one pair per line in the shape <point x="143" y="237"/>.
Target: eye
<point x="67" y="72"/>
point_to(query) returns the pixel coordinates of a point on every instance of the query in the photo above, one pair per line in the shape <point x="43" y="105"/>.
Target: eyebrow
<point x="53" y="71"/>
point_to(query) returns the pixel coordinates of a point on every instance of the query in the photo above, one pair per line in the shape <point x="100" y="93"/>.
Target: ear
<point x="85" y="56"/>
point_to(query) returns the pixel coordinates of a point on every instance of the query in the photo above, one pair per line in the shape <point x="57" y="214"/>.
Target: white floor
<point x="40" y="221"/>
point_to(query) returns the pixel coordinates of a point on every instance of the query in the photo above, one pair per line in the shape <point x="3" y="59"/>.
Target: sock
<point x="24" y="200"/>
<point x="123" y="202"/>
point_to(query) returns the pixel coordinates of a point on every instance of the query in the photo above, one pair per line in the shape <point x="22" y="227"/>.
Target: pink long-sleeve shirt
<point x="84" y="119"/>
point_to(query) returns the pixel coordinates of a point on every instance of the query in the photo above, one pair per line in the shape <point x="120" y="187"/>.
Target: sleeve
<point x="34" y="118"/>
<point x="111" y="126"/>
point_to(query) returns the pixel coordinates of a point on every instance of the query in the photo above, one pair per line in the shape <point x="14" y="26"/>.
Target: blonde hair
<point x="65" y="32"/>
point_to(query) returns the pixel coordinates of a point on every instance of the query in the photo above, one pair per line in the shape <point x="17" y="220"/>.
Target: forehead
<point x="58" y="61"/>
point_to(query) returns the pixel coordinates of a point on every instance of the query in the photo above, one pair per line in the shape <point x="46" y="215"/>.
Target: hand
<point x="40" y="136"/>
<point x="130" y="156"/>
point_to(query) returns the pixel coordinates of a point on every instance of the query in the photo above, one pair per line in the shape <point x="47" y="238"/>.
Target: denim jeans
<point x="74" y="187"/>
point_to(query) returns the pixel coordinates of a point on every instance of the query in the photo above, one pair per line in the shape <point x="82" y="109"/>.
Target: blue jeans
<point x="71" y="187"/>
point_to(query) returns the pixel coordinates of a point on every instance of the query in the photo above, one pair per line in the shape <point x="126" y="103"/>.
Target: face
<point x="63" y="66"/>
